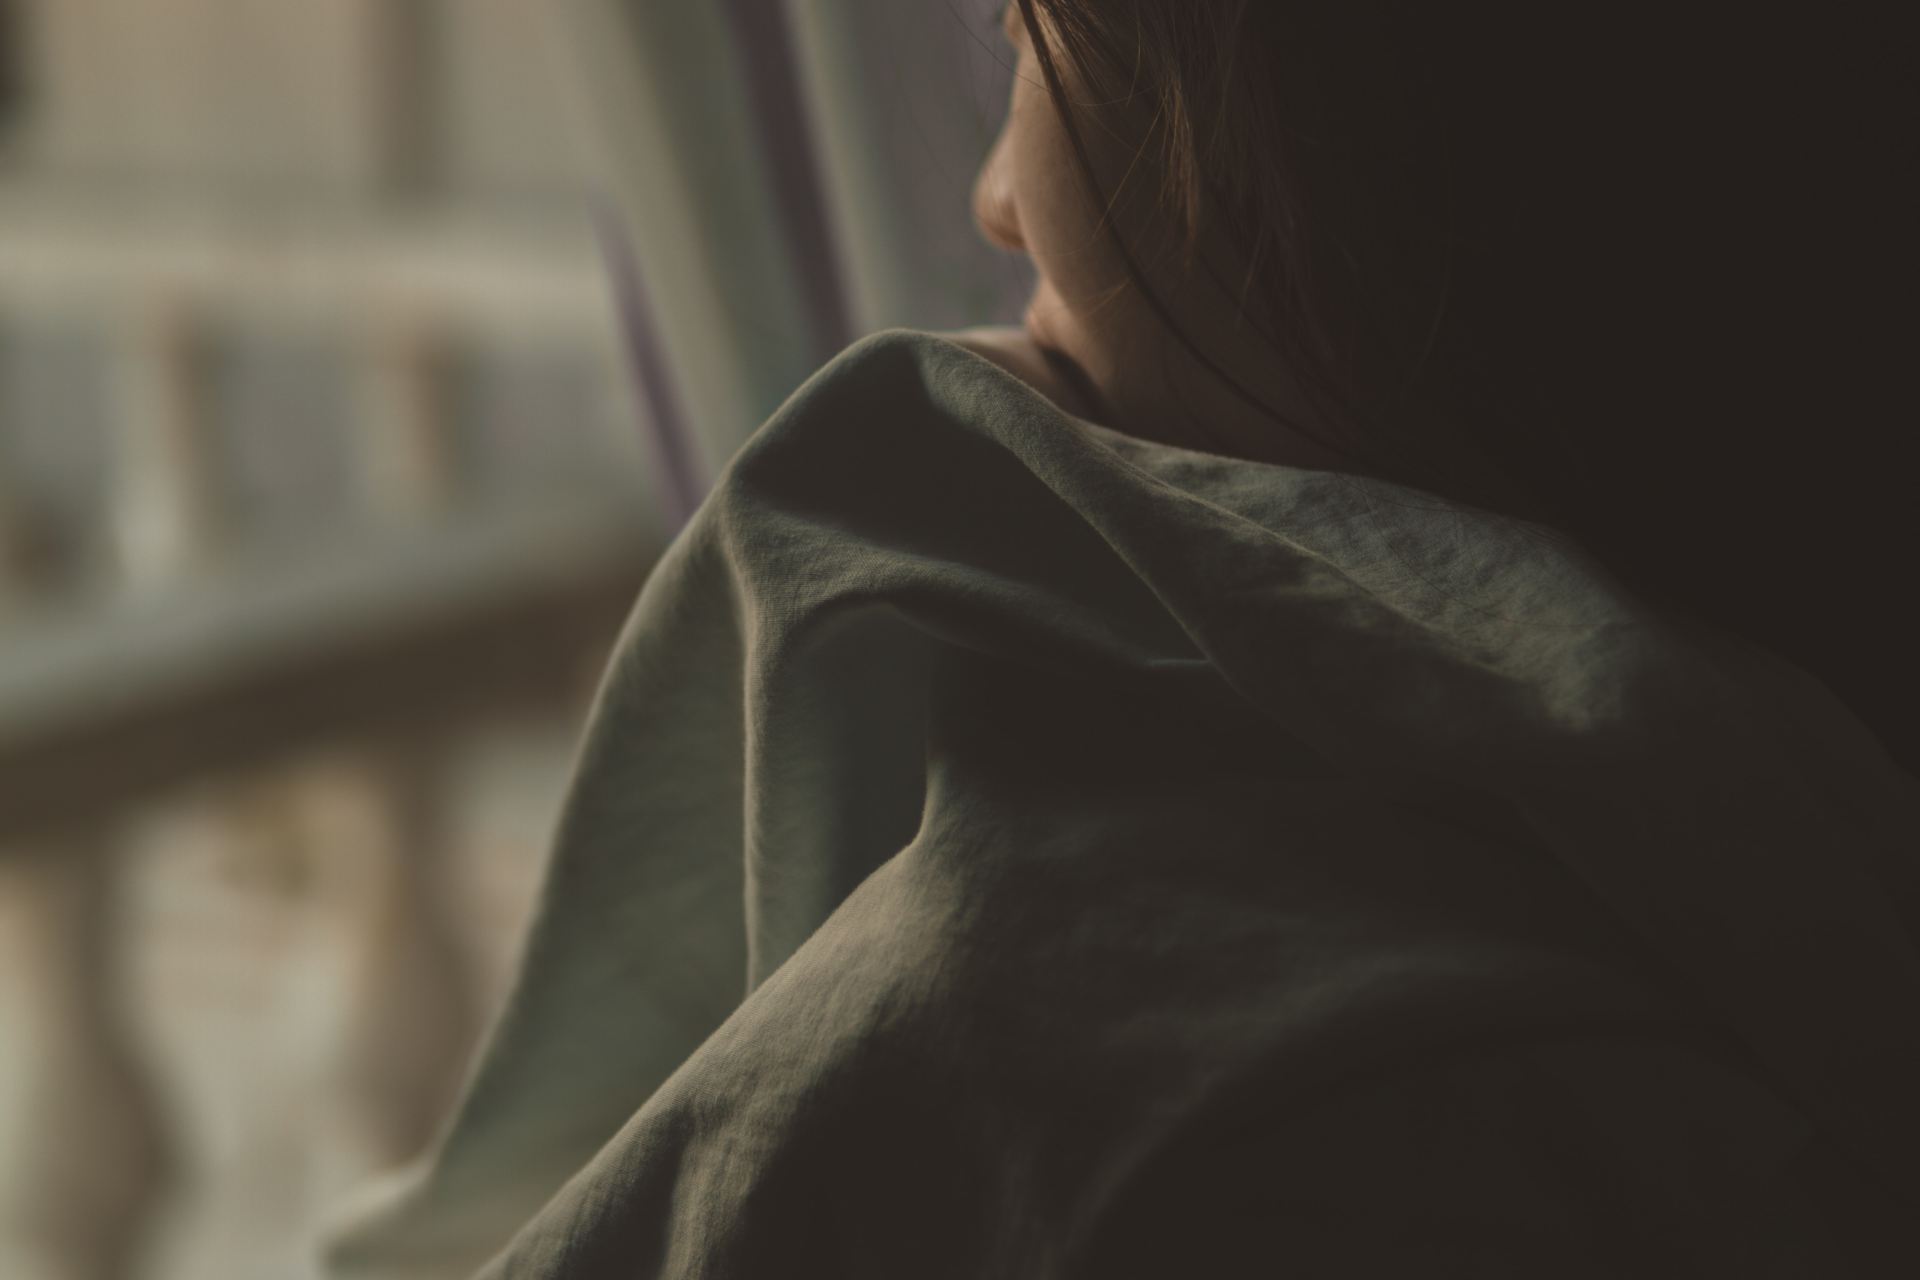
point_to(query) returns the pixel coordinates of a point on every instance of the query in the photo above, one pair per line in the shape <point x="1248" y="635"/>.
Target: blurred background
<point x="357" y="358"/>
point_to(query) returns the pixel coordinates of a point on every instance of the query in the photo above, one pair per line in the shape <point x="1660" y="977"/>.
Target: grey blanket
<point x="1007" y="848"/>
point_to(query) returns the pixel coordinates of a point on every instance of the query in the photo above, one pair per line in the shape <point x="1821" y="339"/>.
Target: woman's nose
<point x="994" y="211"/>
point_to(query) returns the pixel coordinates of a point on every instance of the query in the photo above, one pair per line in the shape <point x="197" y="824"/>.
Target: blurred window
<point x="333" y="339"/>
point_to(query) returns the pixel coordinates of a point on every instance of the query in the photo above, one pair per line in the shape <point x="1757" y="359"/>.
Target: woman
<point x="1291" y="780"/>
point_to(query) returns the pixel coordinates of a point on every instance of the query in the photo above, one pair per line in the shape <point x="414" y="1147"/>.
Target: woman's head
<point x="1255" y="216"/>
<point x="1591" y="267"/>
<point x="1091" y="181"/>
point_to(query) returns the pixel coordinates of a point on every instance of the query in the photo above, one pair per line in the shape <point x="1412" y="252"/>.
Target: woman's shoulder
<point x="914" y="439"/>
<point x="903" y="384"/>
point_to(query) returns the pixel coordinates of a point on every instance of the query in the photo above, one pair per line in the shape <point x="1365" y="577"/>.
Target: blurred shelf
<point x="377" y="632"/>
<point x="539" y="279"/>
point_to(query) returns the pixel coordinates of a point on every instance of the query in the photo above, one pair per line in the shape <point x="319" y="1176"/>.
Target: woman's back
<point x="1192" y="827"/>
<point x="1338" y="788"/>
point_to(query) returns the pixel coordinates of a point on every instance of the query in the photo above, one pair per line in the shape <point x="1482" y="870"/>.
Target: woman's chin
<point x="1033" y="326"/>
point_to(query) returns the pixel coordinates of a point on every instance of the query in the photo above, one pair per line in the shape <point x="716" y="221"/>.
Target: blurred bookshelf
<point x="322" y="495"/>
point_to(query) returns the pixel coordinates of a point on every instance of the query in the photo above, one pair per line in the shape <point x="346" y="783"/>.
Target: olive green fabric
<point x="1007" y="848"/>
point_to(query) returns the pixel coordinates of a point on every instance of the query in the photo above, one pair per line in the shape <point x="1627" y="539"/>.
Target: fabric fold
<point x="988" y="820"/>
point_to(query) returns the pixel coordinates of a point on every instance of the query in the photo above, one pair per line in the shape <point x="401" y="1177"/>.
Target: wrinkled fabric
<point x="1003" y="847"/>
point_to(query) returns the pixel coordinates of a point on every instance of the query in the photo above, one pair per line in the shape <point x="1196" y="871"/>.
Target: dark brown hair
<point x="1633" y="279"/>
